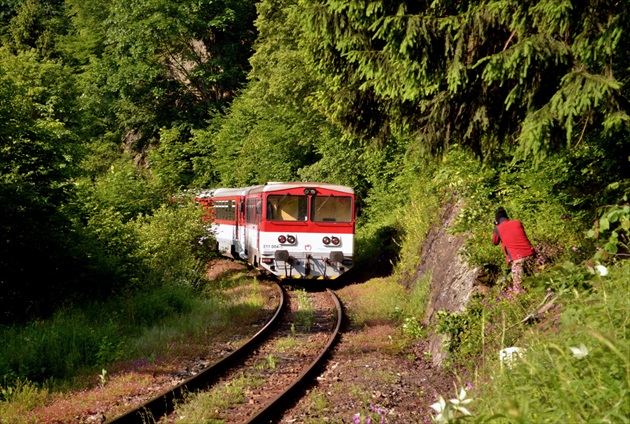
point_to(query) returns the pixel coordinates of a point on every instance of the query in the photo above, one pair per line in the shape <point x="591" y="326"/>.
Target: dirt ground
<point x="365" y="382"/>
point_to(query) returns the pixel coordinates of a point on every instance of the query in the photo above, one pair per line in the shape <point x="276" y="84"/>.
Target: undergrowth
<point x="67" y="351"/>
<point x="575" y="365"/>
<point x="78" y="339"/>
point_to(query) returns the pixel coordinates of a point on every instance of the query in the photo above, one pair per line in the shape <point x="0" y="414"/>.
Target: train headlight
<point x="311" y="191"/>
<point x="291" y="239"/>
<point x="336" y="241"/>
<point x="326" y="240"/>
<point x="282" y="239"/>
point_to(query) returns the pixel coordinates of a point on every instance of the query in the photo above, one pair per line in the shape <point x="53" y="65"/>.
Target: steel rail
<point x="163" y="404"/>
<point x="278" y="404"/>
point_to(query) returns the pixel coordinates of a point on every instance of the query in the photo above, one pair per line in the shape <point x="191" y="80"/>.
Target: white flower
<point x="579" y="352"/>
<point x="445" y="412"/>
<point x="460" y="401"/>
<point x="601" y="270"/>
<point x="439" y="406"/>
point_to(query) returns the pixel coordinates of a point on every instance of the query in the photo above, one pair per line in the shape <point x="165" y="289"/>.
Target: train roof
<point x="274" y="186"/>
<point x="242" y="191"/>
<point x="279" y="186"/>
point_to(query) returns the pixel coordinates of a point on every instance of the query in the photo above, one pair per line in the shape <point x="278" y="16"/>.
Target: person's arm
<point x="496" y="237"/>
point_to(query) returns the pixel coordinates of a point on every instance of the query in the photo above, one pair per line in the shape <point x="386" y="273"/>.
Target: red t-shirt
<point x="513" y="239"/>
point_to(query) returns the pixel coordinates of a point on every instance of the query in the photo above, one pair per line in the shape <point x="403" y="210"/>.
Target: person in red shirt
<point x="516" y="246"/>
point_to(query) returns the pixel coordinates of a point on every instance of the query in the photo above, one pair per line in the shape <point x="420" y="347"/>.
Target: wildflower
<point x="579" y="352"/>
<point x="444" y="413"/>
<point x="469" y="385"/>
<point x="461" y="400"/>
<point x="356" y="418"/>
<point x="447" y="411"/>
<point x="601" y="270"/>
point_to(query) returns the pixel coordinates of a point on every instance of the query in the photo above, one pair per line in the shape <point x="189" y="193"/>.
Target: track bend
<point x="279" y="367"/>
<point x="164" y="403"/>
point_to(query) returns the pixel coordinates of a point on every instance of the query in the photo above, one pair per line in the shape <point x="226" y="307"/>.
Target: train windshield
<point x="287" y="207"/>
<point x="331" y="209"/>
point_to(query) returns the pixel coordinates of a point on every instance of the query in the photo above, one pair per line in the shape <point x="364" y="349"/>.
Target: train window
<point x="287" y="207"/>
<point x="251" y="211"/>
<point x="224" y="210"/>
<point x="331" y="209"/>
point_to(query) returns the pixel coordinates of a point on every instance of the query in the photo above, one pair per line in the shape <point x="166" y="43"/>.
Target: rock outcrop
<point x="452" y="280"/>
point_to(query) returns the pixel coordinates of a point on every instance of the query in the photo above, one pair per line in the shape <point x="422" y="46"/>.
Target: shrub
<point x="174" y="244"/>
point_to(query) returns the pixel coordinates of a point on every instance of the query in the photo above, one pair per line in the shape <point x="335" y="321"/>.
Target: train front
<point x="307" y="230"/>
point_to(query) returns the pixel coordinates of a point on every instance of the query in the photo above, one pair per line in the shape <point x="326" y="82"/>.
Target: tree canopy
<point x="520" y="77"/>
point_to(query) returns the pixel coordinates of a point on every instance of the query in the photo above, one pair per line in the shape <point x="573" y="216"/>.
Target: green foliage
<point x="85" y="36"/>
<point x="613" y="223"/>
<point x="34" y="26"/>
<point x="174" y="243"/>
<point x="164" y="65"/>
<point x="112" y="250"/>
<point x="37" y="158"/>
<point x="255" y="143"/>
<point x="411" y="328"/>
<point x="494" y="77"/>
<point x="125" y="188"/>
<point x="173" y="161"/>
<point x="273" y="131"/>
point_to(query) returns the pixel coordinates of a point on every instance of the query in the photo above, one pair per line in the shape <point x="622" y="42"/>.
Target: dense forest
<point x="111" y="109"/>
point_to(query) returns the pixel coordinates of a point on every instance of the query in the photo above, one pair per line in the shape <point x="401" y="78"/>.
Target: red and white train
<point x="290" y="230"/>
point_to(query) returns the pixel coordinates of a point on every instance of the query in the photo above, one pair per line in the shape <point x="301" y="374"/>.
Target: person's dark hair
<point x="500" y="213"/>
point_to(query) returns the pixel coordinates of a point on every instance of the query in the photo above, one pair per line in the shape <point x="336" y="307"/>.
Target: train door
<point x="253" y="209"/>
<point x="240" y="227"/>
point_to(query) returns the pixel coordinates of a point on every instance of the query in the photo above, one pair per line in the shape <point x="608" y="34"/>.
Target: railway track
<point x="279" y="360"/>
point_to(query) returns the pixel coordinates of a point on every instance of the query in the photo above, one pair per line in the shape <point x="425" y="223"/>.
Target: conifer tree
<point x="522" y="77"/>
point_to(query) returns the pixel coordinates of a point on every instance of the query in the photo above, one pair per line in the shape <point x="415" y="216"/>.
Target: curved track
<point x="163" y="403"/>
<point x="282" y="384"/>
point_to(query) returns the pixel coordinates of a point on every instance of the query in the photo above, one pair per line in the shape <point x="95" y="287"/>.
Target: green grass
<point x="204" y="407"/>
<point x="305" y="314"/>
<point x="77" y="339"/>
<point x="20" y="398"/>
<point x="384" y="301"/>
